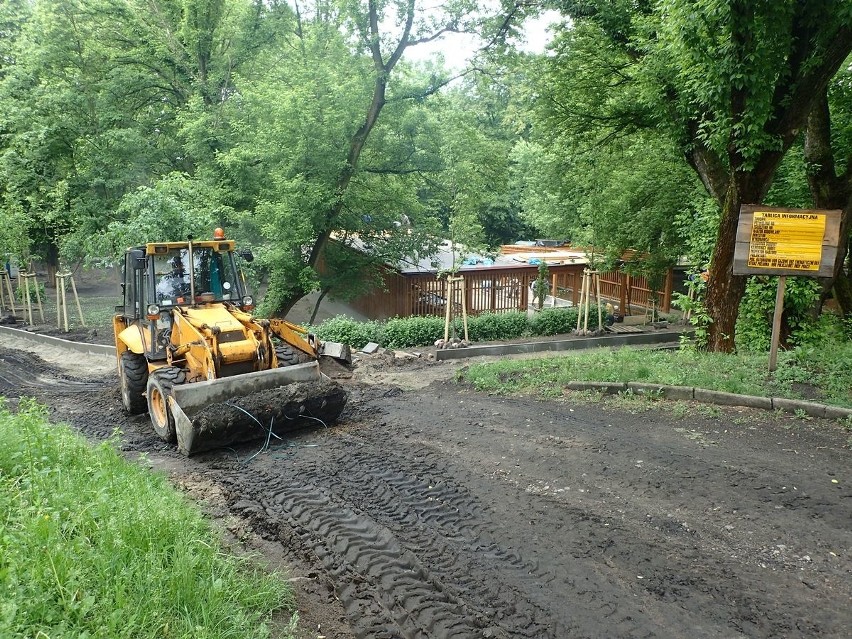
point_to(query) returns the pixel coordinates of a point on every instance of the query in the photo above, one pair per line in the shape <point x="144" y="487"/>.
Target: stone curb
<point x="669" y="392"/>
<point x="732" y="399"/>
<point x="79" y="347"/>
<point x="613" y="339"/>
<point x="812" y="409"/>
<point x="607" y="388"/>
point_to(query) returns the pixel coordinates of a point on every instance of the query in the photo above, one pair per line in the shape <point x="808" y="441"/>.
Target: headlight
<point x="248" y="302"/>
<point x="152" y="312"/>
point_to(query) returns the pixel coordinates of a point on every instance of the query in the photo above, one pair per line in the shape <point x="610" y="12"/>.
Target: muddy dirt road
<point x="439" y="512"/>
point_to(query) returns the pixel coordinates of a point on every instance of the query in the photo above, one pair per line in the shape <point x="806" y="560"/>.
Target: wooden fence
<point x="500" y="289"/>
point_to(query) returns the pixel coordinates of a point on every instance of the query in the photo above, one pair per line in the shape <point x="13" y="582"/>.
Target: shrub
<point x="348" y="331"/>
<point x="754" y="323"/>
<point x="36" y="291"/>
<point x="490" y="327"/>
<point x="556" y="321"/>
<point x="403" y="332"/>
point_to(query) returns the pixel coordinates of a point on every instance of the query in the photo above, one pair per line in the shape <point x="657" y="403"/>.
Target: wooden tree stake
<point x="7" y="285"/>
<point x="62" y="280"/>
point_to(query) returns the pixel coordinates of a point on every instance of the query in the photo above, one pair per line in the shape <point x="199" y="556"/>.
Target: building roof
<point x="468" y="261"/>
<point x="521" y="254"/>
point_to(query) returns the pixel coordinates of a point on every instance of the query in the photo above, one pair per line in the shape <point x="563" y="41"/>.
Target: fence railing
<point x="504" y="290"/>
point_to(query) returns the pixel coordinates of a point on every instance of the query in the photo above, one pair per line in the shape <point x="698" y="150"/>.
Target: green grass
<point x="825" y="372"/>
<point x="93" y="546"/>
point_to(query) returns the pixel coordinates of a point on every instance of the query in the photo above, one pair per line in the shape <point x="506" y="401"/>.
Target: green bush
<point x="553" y="321"/>
<point x="35" y="287"/>
<point x="407" y="332"/>
<point x="348" y="331"/>
<point x="403" y="332"/>
<point x="557" y="321"/>
<point x="754" y="323"/>
<point x="489" y="327"/>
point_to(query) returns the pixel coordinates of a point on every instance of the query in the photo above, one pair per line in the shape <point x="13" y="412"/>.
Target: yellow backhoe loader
<point x="208" y="373"/>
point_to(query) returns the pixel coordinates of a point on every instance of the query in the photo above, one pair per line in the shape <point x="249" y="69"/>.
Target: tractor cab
<point x="161" y="277"/>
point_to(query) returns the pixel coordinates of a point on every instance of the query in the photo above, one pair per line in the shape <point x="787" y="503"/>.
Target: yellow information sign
<point x="786" y="240"/>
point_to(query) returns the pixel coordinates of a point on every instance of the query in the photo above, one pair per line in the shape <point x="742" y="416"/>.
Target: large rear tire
<point x="133" y="377"/>
<point x="160" y="384"/>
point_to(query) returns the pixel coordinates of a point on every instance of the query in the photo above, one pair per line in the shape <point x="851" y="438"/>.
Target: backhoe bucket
<point x="243" y="408"/>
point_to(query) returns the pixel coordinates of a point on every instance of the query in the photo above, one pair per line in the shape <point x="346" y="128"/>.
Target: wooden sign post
<point x="778" y="241"/>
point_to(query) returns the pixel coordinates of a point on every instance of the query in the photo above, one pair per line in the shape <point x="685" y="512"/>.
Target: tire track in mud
<point x="385" y="589"/>
<point x="443" y="524"/>
<point x="21" y="373"/>
<point x="413" y="510"/>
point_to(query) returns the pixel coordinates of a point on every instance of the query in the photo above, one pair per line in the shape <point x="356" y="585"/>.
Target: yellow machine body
<point x="202" y="353"/>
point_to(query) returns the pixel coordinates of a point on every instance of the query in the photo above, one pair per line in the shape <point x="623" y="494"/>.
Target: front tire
<point x="287" y="355"/>
<point x="133" y="377"/>
<point x="160" y="384"/>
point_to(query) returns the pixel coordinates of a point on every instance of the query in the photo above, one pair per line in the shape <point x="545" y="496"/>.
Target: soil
<point x="431" y="510"/>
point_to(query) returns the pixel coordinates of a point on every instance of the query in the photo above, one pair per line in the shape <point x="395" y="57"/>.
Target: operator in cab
<point x="175" y="283"/>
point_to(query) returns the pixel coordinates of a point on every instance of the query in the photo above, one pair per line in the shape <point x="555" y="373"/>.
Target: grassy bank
<point x="822" y="375"/>
<point x="93" y="546"/>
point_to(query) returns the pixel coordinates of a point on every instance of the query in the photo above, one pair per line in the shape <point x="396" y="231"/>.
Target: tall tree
<point x="733" y="82"/>
<point x="828" y="156"/>
<point x="302" y="127"/>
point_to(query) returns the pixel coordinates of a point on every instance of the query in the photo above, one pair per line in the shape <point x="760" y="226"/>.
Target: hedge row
<point x="409" y="332"/>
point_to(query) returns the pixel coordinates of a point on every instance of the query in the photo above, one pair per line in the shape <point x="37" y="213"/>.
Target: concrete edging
<point x="812" y="409"/>
<point x="79" y="347"/>
<point x="613" y="339"/>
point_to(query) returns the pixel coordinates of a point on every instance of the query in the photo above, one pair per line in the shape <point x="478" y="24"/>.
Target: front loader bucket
<point x="243" y="408"/>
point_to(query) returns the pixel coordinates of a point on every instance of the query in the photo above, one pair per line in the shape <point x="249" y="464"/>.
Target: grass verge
<point x="822" y="375"/>
<point x="93" y="546"/>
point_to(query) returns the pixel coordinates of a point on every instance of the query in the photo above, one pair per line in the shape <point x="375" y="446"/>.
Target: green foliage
<point x="825" y="329"/>
<point x="92" y="546"/>
<point x="824" y="371"/>
<point x="555" y="321"/>
<point x="175" y="208"/>
<point x="412" y="331"/>
<point x="820" y="360"/>
<point x="754" y="325"/>
<point x="36" y="291"/>
<point x="489" y="327"/>
<point x="348" y="331"/>
<point x="541" y="285"/>
<point x="408" y="332"/>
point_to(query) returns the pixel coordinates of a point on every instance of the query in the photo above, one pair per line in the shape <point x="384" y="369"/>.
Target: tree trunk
<point x="843" y="286"/>
<point x="322" y="295"/>
<point x="52" y="264"/>
<point x="724" y="289"/>
<point x="830" y="191"/>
